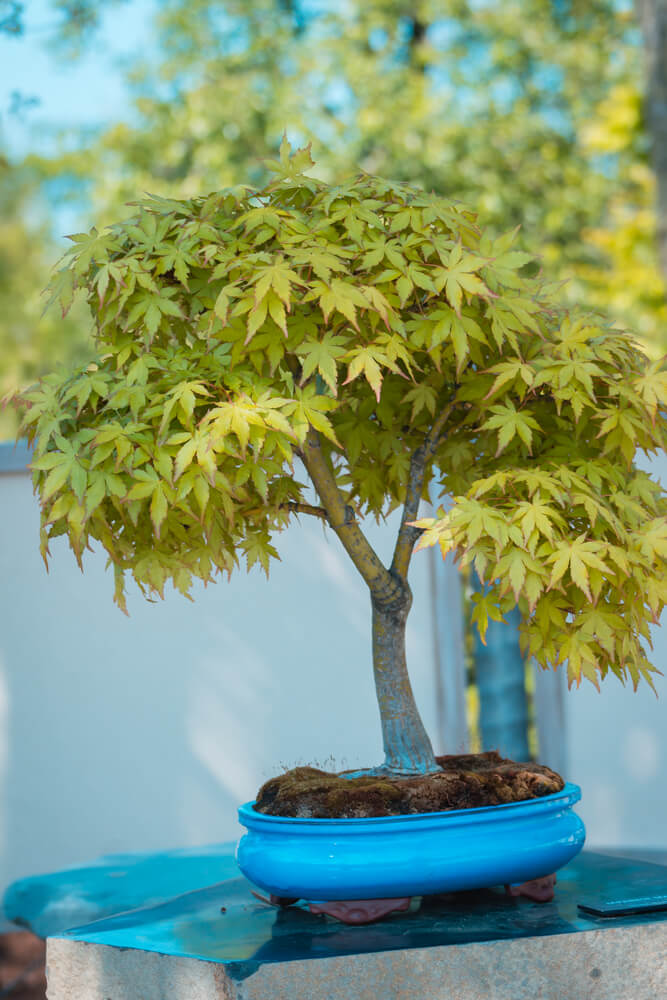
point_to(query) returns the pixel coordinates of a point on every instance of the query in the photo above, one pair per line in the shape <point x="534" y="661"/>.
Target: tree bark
<point x="652" y="16"/>
<point x="407" y="747"/>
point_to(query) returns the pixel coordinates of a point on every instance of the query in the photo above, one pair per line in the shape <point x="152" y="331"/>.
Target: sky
<point x="89" y="91"/>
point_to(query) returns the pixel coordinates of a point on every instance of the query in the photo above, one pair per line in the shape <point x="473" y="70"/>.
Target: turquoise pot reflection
<point x="415" y="855"/>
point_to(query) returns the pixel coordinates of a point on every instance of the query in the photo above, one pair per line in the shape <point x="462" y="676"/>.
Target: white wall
<point x="617" y="748"/>
<point x="140" y="733"/>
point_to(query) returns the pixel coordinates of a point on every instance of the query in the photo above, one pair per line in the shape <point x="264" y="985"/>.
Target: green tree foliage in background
<point x="30" y="343"/>
<point x="373" y="331"/>
<point x="629" y="284"/>
<point x="528" y="109"/>
<point x="652" y="15"/>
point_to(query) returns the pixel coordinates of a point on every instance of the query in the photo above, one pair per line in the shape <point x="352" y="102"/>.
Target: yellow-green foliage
<point x="627" y="282"/>
<point x="30" y="343"/>
<point x="530" y="111"/>
<point x="229" y="325"/>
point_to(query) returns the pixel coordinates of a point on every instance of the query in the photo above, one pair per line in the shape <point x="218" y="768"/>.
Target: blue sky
<point x="89" y="91"/>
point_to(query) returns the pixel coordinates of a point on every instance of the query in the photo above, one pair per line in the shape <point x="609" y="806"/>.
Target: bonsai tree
<point x="369" y="337"/>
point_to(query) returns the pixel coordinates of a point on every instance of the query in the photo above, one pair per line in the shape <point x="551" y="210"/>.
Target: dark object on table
<point x="22" y="966"/>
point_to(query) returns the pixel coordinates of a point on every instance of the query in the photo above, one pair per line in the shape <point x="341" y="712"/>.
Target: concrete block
<point x="608" y="964"/>
<point x="222" y="943"/>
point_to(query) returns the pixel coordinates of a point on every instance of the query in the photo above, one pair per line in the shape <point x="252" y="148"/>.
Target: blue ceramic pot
<point x="416" y="855"/>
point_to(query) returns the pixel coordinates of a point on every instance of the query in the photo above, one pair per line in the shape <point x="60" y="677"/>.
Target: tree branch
<point x="385" y="588"/>
<point x="294" y="507"/>
<point x="307" y="508"/>
<point x="407" y="533"/>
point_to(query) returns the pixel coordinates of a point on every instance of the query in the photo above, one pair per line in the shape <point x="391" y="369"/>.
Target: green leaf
<point x="511" y="422"/>
<point x="485" y="607"/>
<point x="343" y="298"/>
<point x="277" y="312"/>
<point x="159" y="507"/>
<point x="458" y="276"/>
<point x="185" y="456"/>
<point x="256" y="317"/>
<point x="321" y="356"/>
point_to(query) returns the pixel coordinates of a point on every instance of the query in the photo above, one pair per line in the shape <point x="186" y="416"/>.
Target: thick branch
<point x="385" y="588"/>
<point x="408" y="534"/>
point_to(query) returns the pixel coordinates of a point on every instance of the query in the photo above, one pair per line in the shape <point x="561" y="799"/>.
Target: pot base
<point x="367" y="911"/>
<point x="361" y="911"/>
<point x="540" y="890"/>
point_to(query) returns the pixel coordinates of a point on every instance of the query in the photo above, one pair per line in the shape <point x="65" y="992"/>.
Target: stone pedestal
<point x="222" y="942"/>
<point x="608" y="964"/>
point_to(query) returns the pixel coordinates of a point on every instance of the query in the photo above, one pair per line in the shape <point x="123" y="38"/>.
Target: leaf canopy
<point x="230" y="326"/>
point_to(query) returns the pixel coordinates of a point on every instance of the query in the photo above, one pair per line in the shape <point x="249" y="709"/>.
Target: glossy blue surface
<point x="414" y="855"/>
<point x="50" y="903"/>
<point x="225" y="923"/>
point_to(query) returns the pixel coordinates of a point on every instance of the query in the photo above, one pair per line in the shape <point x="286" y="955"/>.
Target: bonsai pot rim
<point x="252" y="819"/>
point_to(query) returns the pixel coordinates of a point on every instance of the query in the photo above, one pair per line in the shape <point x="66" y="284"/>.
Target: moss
<point x="465" y="781"/>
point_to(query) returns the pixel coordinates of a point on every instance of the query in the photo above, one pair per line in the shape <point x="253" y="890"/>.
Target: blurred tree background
<point x="538" y="113"/>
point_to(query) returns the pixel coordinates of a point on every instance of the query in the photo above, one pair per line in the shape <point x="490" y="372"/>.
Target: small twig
<point x="435" y="435"/>
<point x="408" y="534"/>
<point x="307" y="508"/>
<point x="296" y="508"/>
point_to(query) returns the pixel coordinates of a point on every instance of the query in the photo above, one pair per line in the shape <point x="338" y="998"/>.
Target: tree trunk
<point x="407" y="747"/>
<point x="653" y="20"/>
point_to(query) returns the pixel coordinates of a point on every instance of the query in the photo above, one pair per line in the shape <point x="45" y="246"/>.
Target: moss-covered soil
<point x="465" y="781"/>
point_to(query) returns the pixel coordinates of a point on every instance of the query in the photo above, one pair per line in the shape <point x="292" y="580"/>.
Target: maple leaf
<point x="537" y="516"/>
<point x="321" y="356"/>
<point x="578" y="556"/>
<point x="422" y="397"/>
<point x="258" y="549"/>
<point x="652" y="387"/>
<point x="511" y="422"/>
<point x="343" y="298"/>
<point x="581" y="659"/>
<point x="278" y="276"/>
<point x="459" y="275"/>
<point x="485" y="607"/>
<point x="653" y="539"/>
<point x="510" y="371"/>
<point x="369" y="361"/>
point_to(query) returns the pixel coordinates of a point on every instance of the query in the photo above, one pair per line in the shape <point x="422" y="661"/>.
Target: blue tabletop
<point x="226" y="923"/>
<point x="166" y="903"/>
<point x="51" y="903"/>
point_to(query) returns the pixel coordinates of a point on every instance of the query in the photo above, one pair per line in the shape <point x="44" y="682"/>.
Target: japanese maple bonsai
<point x="374" y="332"/>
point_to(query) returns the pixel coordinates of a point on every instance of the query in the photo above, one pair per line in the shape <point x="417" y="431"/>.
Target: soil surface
<point x="465" y="781"/>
